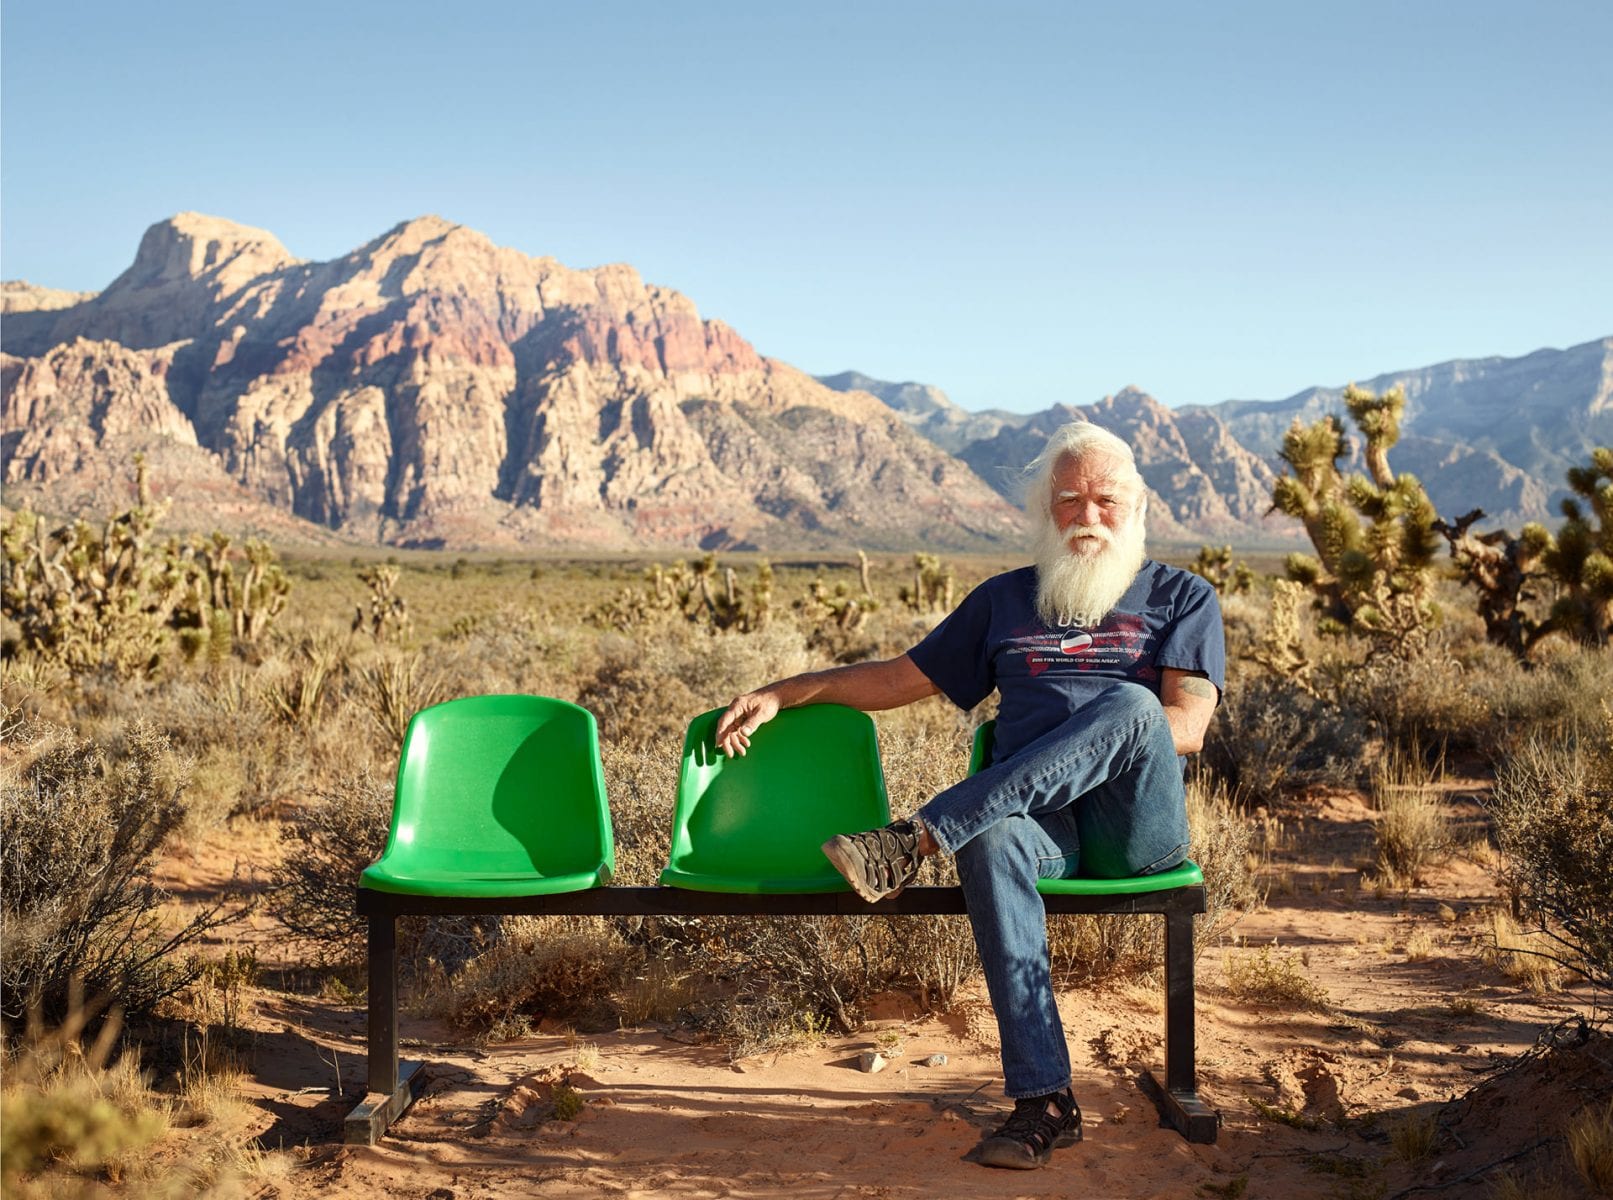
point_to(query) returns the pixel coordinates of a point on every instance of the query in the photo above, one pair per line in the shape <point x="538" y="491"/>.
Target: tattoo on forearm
<point x="1195" y="685"/>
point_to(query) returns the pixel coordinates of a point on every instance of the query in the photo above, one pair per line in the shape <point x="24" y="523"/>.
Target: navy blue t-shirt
<point x="1168" y="617"/>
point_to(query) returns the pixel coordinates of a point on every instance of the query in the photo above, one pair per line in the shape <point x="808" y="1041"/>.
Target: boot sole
<point x="839" y="856"/>
<point x="837" y="851"/>
<point x="1017" y="1156"/>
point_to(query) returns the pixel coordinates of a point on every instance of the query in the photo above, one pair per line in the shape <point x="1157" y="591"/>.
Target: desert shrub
<point x="821" y="965"/>
<point x="330" y="842"/>
<point x="641" y="783"/>
<point x="1525" y="955"/>
<point x="645" y="689"/>
<point x="516" y="648"/>
<point x="74" y="1118"/>
<point x="936" y="954"/>
<point x="1269" y="734"/>
<point x="1560" y="697"/>
<point x="1434" y="701"/>
<point x="72" y="1108"/>
<point x="1413" y="826"/>
<point x="1222" y="846"/>
<point x="768" y="1023"/>
<point x="534" y="967"/>
<point x="32" y="689"/>
<point x="1553" y="810"/>
<point x="81" y="827"/>
<point x="1086" y="949"/>
<point x="633" y="701"/>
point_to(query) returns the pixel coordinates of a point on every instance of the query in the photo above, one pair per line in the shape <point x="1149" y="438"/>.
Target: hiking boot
<point x="1031" y="1133"/>
<point x="878" y="864"/>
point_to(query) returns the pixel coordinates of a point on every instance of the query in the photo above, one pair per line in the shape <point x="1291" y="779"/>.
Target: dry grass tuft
<point x="1413" y="1139"/>
<point x="1529" y="956"/>
<point x="1413" y="827"/>
<point x="1271" y="980"/>
<point x="1590" y="1146"/>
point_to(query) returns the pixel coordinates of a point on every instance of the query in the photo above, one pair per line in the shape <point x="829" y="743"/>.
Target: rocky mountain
<point x="1494" y="433"/>
<point x="433" y="389"/>
<point x="1201" y="482"/>
<point x="928" y="410"/>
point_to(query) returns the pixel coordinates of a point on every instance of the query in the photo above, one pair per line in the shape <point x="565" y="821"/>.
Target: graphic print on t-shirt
<point x="1118" y="643"/>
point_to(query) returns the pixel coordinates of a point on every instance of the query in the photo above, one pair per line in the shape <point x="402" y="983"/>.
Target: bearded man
<point x="1108" y="667"/>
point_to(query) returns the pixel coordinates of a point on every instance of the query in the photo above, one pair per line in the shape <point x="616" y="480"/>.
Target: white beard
<point x="1082" y="589"/>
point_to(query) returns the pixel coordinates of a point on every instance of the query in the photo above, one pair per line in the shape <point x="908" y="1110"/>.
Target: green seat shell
<point x="1185" y="874"/>
<point x="755" y="824"/>
<point x="498" y="796"/>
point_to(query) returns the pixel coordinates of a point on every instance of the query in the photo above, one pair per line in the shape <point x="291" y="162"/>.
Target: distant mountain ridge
<point x="1492" y="433"/>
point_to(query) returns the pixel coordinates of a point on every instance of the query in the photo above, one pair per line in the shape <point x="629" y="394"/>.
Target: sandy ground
<point x="1430" y="1035"/>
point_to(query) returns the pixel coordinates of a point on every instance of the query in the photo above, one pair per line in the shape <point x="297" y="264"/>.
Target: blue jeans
<point x="1100" y="795"/>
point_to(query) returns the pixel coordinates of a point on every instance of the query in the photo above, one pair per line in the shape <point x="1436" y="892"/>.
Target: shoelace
<point x="888" y="853"/>
<point x="1031" y="1122"/>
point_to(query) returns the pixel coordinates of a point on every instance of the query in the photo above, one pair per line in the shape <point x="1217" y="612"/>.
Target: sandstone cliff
<point x="431" y="388"/>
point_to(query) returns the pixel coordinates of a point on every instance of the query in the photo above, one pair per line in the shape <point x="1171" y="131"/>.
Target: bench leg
<point x="1178" y="1100"/>
<point x="390" y="1090"/>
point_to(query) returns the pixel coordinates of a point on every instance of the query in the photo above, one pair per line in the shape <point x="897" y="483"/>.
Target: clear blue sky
<point x="1020" y="203"/>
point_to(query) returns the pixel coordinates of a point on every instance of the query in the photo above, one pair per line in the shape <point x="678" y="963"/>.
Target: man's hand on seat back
<point x="744" y="715"/>
<point x="870" y="686"/>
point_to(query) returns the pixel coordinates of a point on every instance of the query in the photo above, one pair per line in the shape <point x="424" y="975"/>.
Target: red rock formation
<point x="433" y="388"/>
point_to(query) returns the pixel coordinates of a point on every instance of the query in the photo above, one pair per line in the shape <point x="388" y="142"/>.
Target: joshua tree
<point x="1374" y="534"/>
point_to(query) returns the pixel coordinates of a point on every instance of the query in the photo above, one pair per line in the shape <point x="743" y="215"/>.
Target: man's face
<point x="1090" y="506"/>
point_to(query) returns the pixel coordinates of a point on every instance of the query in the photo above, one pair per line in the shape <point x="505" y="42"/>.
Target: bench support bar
<point x="391" y="1090"/>
<point x="366" y="1123"/>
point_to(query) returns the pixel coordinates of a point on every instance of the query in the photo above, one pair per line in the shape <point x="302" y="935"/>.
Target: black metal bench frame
<point x="394" y="1085"/>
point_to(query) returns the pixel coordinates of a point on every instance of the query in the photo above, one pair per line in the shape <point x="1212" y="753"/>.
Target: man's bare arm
<point x="870" y="686"/>
<point x="1189" y="700"/>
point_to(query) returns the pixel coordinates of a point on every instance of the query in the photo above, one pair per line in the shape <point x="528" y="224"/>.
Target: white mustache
<point x="1100" y="532"/>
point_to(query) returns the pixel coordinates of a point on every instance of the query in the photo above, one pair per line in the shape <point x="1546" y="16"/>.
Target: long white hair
<point x="1076" y="589"/>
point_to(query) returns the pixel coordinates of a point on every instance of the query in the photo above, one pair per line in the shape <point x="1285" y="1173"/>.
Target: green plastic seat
<point x="1186" y="874"/>
<point x="498" y="796"/>
<point x="755" y="824"/>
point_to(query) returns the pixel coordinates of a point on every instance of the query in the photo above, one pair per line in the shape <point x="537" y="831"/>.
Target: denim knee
<point x="1016" y="844"/>
<point x="1123" y="699"/>
<point x="1013" y="843"/>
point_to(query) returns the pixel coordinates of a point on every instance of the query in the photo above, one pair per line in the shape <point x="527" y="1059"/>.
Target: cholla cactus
<point x="694" y="594"/>
<point x="1281" y="649"/>
<point x="1375" y="577"/>
<point x="89" y="599"/>
<point x="932" y="586"/>
<point x="1215" y="565"/>
<point x="388" y="613"/>
<point x="826" y="609"/>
